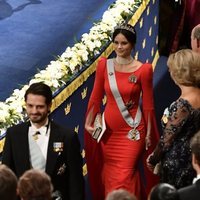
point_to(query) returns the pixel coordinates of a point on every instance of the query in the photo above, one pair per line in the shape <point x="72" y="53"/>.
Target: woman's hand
<point x="149" y="165"/>
<point x="147" y="142"/>
<point x="90" y="129"/>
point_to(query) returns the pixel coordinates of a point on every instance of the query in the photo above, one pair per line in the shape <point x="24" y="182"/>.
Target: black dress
<point x="180" y="122"/>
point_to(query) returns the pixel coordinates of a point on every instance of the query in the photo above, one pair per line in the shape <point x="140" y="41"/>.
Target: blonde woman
<point x="180" y="122"/>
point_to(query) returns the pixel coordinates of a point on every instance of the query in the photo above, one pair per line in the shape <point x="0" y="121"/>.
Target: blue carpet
<point x="33" y="32"/>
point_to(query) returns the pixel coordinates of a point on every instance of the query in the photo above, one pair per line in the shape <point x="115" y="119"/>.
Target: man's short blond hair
<point x="196" y="32"/>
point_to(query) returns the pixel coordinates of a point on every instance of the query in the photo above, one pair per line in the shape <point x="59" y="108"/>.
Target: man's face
<point x="193" y="42"/>
<point x="37" y="109"/>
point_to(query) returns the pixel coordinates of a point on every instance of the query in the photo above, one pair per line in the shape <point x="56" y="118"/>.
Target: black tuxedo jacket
<point x="63" y="165"/>
<point x="191" y="192"/>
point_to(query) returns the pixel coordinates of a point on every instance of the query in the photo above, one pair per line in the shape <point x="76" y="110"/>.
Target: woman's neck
<point x="124" y="61"/>
<point x="189" y="91"/>
<point x="191" y="94"/>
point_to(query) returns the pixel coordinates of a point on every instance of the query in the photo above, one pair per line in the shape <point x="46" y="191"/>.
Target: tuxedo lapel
<point x="52" y="155"/>
<point x="22" y="151"/>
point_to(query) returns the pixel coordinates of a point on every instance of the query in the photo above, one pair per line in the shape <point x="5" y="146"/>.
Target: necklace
<point x="123" y="61"/>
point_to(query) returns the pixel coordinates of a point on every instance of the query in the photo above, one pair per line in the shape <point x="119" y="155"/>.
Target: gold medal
<point x="58" y="146"/>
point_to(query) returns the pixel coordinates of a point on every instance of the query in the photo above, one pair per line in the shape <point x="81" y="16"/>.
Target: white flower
<point x="4" y="112"/>
<point x="8" y="115"/>
<point x="58" y="72"/>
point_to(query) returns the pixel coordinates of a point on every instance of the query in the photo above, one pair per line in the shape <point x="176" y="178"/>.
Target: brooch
<point x="129" y="104"/>
<point x="165" y="116"/>
<point x="133" y="134"/>
<point x="110" y="73"/>
<point x="132" y="78"/>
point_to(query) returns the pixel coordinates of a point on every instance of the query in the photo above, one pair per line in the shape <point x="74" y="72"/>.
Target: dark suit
<point x="191" y="192"/>
<point x="69" y="181"/>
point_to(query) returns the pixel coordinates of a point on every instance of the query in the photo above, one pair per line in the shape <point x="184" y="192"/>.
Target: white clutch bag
<point x="100" y="127"/>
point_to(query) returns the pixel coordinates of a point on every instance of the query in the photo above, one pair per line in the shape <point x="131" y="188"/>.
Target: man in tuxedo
<point x="42" y="144"/>
<point x="192" y="192"/>
<point x="195" y="38"/>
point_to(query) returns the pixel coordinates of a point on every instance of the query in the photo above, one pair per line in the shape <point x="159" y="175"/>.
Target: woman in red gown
<point x="114" y="162"/>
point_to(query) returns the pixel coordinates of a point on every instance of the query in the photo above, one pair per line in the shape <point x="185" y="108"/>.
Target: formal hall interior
<point x="39" y="41"/>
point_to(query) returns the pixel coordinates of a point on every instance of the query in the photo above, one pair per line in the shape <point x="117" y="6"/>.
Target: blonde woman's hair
<point x="184" y="67"/>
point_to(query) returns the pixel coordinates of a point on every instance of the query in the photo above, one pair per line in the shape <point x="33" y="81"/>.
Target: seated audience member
<point x="8" y="183"/>
<point x="195" y="38"/>
<point x="192" y="192"/>
<point x="35" y="185"/>
<point x="120" y="194"/>
<point x="163" y="191"/>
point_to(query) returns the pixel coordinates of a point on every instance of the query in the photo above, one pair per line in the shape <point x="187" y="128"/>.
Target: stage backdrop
<point x="70" y="102"/>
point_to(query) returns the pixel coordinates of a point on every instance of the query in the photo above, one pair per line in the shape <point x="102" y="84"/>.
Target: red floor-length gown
<point x="118" y="162"/>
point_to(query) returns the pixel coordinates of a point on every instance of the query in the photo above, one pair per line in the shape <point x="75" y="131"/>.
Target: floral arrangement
<point x="58" y="72"/>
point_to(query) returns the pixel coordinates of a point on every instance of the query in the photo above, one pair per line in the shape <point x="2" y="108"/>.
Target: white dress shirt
<point x="42" y="138"/>
<point x="196" y="178"/>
